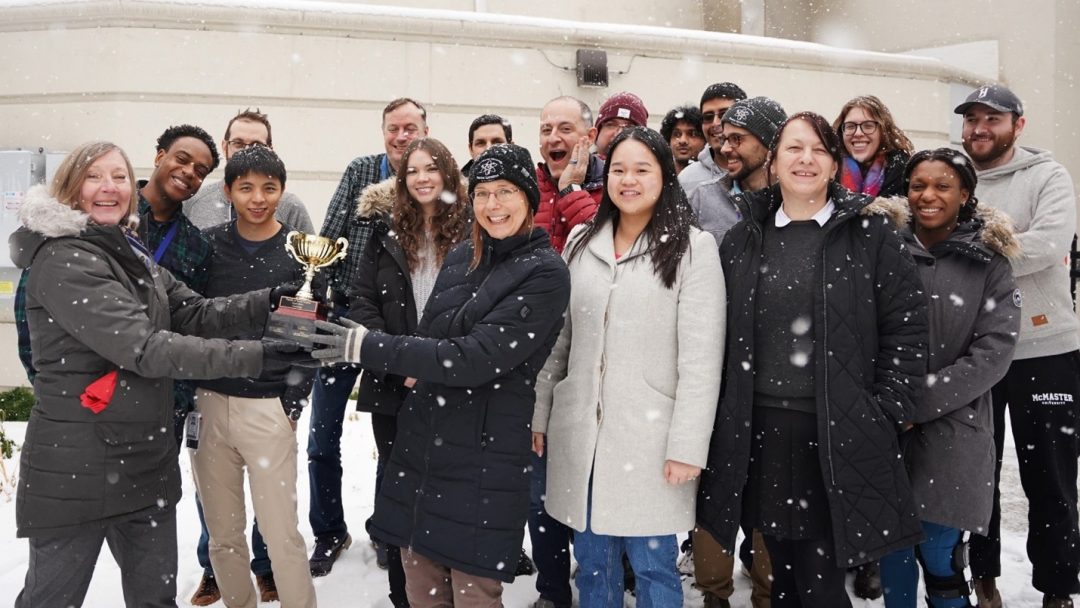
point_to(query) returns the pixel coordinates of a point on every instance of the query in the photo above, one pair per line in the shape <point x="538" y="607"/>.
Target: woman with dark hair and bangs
<point x="416" y="217"/>
<point x="875" y="150"/>
<point x="827" y="348"/>
<point x="626" y="400"/>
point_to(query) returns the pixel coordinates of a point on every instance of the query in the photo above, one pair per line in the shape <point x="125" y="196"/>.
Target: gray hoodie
<point x="715" y="209"/>
<point x="1037" y="194"/>
<point x="698" y="173"/>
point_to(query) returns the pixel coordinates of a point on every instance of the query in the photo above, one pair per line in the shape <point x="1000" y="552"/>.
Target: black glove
<point x="287" y="289"/>
<point x="279" y="357"/>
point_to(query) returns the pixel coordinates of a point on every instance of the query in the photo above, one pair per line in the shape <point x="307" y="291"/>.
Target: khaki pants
<point x="430" y="584"/>
<point x="238" y="431"/>
<point x="713" y="568"/>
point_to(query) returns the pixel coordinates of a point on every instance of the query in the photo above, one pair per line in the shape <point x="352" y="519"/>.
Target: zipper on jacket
<point x="840" y="215"/>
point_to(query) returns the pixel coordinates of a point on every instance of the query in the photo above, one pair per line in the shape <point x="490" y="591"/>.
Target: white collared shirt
<point x="820" y="217"/>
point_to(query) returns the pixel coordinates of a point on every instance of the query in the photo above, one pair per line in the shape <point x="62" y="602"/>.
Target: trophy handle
<point x="337" y="256"/>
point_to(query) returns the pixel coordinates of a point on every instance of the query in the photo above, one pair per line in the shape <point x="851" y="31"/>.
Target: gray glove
<point x="342" y="341"/>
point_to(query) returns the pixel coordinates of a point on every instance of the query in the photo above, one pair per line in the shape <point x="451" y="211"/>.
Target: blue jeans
<point x="900" y="570"/>
<point x="550" y="541"/>
<point x="331" y="393"/>
<point x="600" y="573"/>
<point x="260" y="559"/>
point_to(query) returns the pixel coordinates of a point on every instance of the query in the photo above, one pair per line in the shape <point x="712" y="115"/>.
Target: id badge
<point x="192" y="430"/>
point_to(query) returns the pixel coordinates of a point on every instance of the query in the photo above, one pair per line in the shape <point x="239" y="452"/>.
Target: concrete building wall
<point x="124" y="70"/>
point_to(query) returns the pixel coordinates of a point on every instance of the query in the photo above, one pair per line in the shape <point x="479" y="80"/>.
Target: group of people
<point x="805" y="331"/>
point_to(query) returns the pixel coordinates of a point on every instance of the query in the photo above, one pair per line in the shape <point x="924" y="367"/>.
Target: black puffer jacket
<point x="381" y="296"/>
<point x="456" y="488"/>
<point x="870" y="355"/>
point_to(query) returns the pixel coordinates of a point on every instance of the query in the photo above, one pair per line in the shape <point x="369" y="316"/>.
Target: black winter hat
<point x="759" y="115"/>
<point x="510" y="162"/>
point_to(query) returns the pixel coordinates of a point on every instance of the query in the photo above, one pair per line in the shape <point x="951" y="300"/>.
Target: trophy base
<point x="294" y="322"/>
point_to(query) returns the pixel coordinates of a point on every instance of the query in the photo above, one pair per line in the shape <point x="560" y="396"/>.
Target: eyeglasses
<point x="867" y="127"/>
<point x="708" y="117"/>
<point x="239" y="144"/>
<point x="503" y="195"/>
<point x="734" y="140"/>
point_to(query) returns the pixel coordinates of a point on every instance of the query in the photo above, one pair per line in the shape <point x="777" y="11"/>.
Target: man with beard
<point x="1042" y="385"/>
<point x="681" y="128"/>
<point x="716" y="100"/>
<point x="746" y="131"/>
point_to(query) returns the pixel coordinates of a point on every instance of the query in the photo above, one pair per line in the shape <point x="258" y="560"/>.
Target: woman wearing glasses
<point x="875" y="150"/>
<point x="415" y="219"/>
<point x="455" y="492"/>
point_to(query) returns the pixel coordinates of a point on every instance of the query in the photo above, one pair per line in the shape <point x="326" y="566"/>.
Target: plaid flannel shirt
<point x="22" y="327"/>
<point x="341" y="218"/>
<point x="188" y="259"/>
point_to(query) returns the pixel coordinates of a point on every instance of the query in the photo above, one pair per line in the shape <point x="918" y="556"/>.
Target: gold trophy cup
<point x="294" y="319"/>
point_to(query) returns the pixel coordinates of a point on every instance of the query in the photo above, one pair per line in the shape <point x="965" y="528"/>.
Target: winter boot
<point x="868" y="581"/>
<point x="207" y="593"/>
<point x="1053" y="601"/>
<point x="327" y="551"/>
<point x="711" y="601"/>
<point x="986" y="593"/>
<point x="267" y="587"/>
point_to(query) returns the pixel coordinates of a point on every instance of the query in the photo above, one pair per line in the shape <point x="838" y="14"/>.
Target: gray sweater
<point x="209" y="208"/>
<point x="1037" y="194"/>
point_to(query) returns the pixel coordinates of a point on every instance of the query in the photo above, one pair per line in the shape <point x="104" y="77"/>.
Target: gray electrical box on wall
<point x="19" y="170"/>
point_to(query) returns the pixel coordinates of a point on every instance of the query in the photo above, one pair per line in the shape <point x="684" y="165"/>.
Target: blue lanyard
<point x="160" y="251"/>
<point x="384" y="168"/>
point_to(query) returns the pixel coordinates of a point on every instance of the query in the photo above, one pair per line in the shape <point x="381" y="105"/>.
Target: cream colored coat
<point x="633" y="381"/>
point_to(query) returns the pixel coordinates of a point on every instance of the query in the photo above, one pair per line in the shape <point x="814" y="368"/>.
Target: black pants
<point x="805" y="574"/>
<point x="1043" y="398"/>
<point x="144" y="546"/>
<point x="384" y="428"/>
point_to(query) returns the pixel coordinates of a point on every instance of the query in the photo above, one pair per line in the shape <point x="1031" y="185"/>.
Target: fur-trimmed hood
<point x="43" y="214"/>
<point x="377" y="199"/>
<point x="997" y="231"/>
<point x="44" y="218"/>
<point x="989" y="231"/>
<point x="895" y="208"/>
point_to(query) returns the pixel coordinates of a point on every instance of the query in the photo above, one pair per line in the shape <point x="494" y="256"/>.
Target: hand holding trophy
<point x="294" y="320"/>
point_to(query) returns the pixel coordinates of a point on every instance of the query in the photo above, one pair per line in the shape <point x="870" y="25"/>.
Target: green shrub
<point x="15" y="404"/>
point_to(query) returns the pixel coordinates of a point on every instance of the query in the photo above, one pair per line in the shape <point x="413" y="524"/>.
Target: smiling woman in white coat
<point x="626" y="400"/>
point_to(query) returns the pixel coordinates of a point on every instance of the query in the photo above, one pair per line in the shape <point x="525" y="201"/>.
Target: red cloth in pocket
<point x="97" y="396"/>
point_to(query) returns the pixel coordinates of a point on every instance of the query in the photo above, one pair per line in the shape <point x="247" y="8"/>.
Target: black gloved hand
<point x="286" y="289"/>
<point x="279" y="357"/>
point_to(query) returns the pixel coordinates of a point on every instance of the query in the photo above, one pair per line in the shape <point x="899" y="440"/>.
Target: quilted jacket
<point x="559" y="212"/>
<point x="870" y="360"/>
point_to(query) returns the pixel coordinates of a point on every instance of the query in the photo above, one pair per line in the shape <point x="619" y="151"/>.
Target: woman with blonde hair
<point x="109" y="328"/>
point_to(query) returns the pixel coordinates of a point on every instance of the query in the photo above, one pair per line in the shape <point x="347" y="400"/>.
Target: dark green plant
<point x="15" y="404"/>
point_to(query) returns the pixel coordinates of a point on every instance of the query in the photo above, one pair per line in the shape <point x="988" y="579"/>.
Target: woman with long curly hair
<point x="875" y="150"/>
<point x="416" y="217"/>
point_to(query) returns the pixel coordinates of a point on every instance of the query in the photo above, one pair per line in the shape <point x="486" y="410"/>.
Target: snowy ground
<point x="357" y="582"/>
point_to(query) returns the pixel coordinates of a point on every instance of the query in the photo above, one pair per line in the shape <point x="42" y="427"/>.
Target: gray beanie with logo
<point x="760" y="116"/>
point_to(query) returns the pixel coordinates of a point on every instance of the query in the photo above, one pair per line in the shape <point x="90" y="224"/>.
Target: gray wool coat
<point x="974" y="317"/>
<point x="633" y="381"/>
<point x="93" y="307"/>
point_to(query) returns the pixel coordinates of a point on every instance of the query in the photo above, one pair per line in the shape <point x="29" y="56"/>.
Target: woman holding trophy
<point x="416" y="217"/>
<point x="456" y="486"/>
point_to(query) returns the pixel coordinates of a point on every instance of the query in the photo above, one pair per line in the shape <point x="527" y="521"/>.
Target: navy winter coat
<point x="870" y="354"/>
<point x="456" y="488"/>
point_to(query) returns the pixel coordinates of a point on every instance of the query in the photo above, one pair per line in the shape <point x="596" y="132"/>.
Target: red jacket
<point x="559" y="214"/>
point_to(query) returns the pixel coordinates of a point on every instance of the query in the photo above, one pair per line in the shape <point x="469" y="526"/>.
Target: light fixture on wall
<point x="592" y="70"/>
